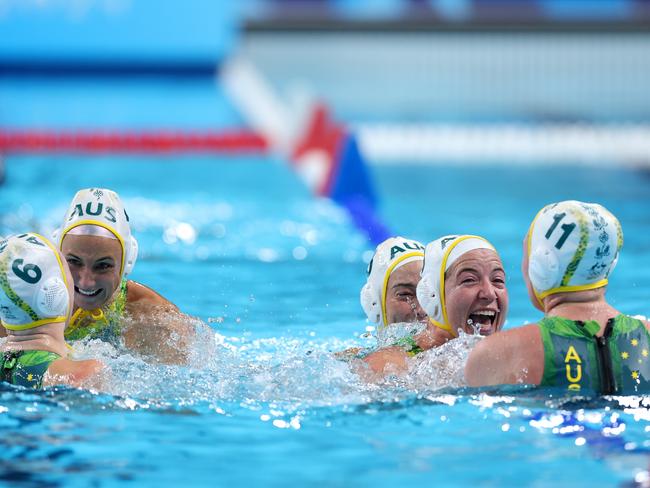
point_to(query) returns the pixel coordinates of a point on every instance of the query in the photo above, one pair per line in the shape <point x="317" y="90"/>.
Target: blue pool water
<point x="274" y="275"/>
<point x="240" y="244"/>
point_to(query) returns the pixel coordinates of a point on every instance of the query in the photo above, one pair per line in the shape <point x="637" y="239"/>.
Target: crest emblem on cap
<point x="447" y="240"/>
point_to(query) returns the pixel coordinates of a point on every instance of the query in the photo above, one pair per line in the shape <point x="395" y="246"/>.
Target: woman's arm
<point x="155" y="327"/>
<point x="515" y="356"/>
<point x="88" y="373"/>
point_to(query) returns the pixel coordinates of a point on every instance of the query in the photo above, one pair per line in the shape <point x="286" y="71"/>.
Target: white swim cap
<point x="33" y="283"/>
<point x="572" y="246"/>
<point x="103" y="208"/>
<point x="439" y="255"/>
<point x="390" y="255"/>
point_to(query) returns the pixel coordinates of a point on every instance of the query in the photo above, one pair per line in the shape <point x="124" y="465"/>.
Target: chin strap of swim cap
<point x="33" y="283"/>
<point x="572" y="246"/>
<point x="81" y="315"/>
<point x="446" y="327"/>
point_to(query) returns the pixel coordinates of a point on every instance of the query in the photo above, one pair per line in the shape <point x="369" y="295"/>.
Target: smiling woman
<point x="95" y="267"/>
<point x="388" y="296"/>
<point x="462" y="288"/>
<point x="96" y="241"/>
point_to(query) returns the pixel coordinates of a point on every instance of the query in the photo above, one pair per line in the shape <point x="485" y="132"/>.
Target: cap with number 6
<point x="33" y="283"/>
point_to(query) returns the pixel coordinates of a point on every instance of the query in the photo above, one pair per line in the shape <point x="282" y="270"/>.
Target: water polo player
<point x="95" y="239"/>
<point x="582" y="344"/>
<point x="389" y="295"/>
<point x="35" y="306"/>
<point x="462" y="288"/>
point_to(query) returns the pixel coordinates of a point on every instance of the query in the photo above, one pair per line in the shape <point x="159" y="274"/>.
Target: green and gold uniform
<point x="26" y="368"/>
<point x="102" y="323"/>
<point x="618" y="362"/>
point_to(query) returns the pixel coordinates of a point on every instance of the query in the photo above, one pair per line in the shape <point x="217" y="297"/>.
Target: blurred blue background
<point x="116" y="30"/>
<point x="451" y="60"/>
<point x="203" y="31"/>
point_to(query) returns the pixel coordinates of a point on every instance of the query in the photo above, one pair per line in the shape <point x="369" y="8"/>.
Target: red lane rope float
<point x="226" y="142"/>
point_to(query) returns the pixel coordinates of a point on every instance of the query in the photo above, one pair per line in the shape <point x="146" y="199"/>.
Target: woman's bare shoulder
<point x="140" y="294"/>
<point x="500" y="358"/>
<point x="511" y="338"/>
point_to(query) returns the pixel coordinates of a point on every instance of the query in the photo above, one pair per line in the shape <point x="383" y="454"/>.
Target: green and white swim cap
<point x="439" y="255"/>
<point x="572" y="246"/>
<point x="390" y="255"/>
<point x="33" y="283"/>
<point x="99" y="212"/>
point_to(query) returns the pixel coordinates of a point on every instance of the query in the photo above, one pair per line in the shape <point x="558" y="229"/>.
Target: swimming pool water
<point x="274" y="273"/>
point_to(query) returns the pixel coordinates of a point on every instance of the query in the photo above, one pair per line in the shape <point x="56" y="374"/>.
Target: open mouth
<point x="483" y="321"/>
<point x="88" y="293"/>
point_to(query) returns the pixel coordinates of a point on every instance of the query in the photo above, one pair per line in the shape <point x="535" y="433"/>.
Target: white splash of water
<point x="303" y="372"/>
<point x="388" y="336"/>
<point x="222" y="368"/>
<point x="442" y="367"/>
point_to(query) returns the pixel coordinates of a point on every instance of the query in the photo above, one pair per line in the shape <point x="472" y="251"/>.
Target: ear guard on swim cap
<point x="33" y="283"/>
<point x="439" y="255"/>
<point x="370" y="304"/>
<point x="544" y="269"/>
<point x="572" y="246"/>
<point x="131" y="256"/>
<point x="428" y="297"/>
<point x="103" y="208"/>
<point x="390" y="255"/>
